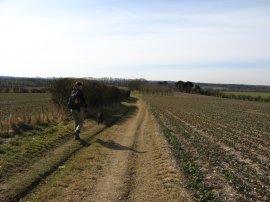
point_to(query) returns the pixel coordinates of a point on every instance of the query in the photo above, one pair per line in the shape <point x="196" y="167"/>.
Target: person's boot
<point x="77" y="135"/>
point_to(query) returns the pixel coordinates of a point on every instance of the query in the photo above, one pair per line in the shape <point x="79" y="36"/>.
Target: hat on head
<point x="78" y="83"/>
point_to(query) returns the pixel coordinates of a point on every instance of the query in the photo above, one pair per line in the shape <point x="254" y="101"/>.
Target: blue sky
<point x="197" y="40"/>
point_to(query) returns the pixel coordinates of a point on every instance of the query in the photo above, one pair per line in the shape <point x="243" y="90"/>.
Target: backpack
<point x="73" y="101"/>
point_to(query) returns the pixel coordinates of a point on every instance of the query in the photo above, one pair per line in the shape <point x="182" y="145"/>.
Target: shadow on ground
<point x="84" y="143"/>
<point x="131" y="100"/>
<point x="116" y="146"/>
<point x="122" y="114"/>
<point x="117" y="113"/>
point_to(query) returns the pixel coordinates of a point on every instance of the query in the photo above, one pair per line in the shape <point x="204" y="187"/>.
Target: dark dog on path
<point x="100" y="117"/>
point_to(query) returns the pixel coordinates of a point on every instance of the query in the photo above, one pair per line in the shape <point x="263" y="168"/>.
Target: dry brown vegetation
<point x="19" y="112"/>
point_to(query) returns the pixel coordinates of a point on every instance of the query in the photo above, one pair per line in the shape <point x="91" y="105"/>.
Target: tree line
<point x="151" y="87"/>
<point x="245" y="97"/>
<point x="24" y="85"/>
<point x="42" y="85"/>
<point x="24" y="90"/>
<point x="164" y="87"/>
<point x="189" y="87"/>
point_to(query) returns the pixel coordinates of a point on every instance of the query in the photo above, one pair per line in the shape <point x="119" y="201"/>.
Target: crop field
<point x="27" y="108"/>
<point x="222" y="145"/>
<point x="252" y="94"/>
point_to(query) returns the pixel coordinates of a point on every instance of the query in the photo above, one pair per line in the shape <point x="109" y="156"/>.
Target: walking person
<point x="77" y="106"/>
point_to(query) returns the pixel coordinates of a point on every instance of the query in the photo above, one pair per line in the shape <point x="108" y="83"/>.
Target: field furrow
<point x="223" y="141"/>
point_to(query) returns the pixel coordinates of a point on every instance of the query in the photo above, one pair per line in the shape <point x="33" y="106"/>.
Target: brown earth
<point x="129" y="161"/>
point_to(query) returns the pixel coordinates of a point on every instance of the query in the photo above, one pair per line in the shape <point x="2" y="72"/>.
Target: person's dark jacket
<point x="81" y="99"/>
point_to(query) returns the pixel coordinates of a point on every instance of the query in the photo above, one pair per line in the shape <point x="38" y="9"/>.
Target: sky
<point x="211" y="41"/>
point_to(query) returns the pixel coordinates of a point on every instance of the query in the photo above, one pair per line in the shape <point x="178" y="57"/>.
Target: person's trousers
<point x="78" y="119"/>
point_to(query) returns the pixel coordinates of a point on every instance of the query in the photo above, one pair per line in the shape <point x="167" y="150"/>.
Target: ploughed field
<point x="222" y="145"/>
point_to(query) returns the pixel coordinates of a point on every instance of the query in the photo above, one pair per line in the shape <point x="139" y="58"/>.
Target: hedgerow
<point x="95" y="93"/>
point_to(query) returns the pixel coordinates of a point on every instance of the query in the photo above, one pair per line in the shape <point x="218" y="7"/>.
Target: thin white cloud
<point x="125" y="12"/>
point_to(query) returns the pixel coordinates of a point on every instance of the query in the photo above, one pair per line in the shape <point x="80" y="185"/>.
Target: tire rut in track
<point x="152" y="175"/>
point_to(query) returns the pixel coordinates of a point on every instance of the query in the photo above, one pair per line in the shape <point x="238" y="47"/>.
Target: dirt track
<point x="130" y="161"/>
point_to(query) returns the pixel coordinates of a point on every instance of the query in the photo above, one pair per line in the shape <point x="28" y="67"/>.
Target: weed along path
<point x="130" y="161"/>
